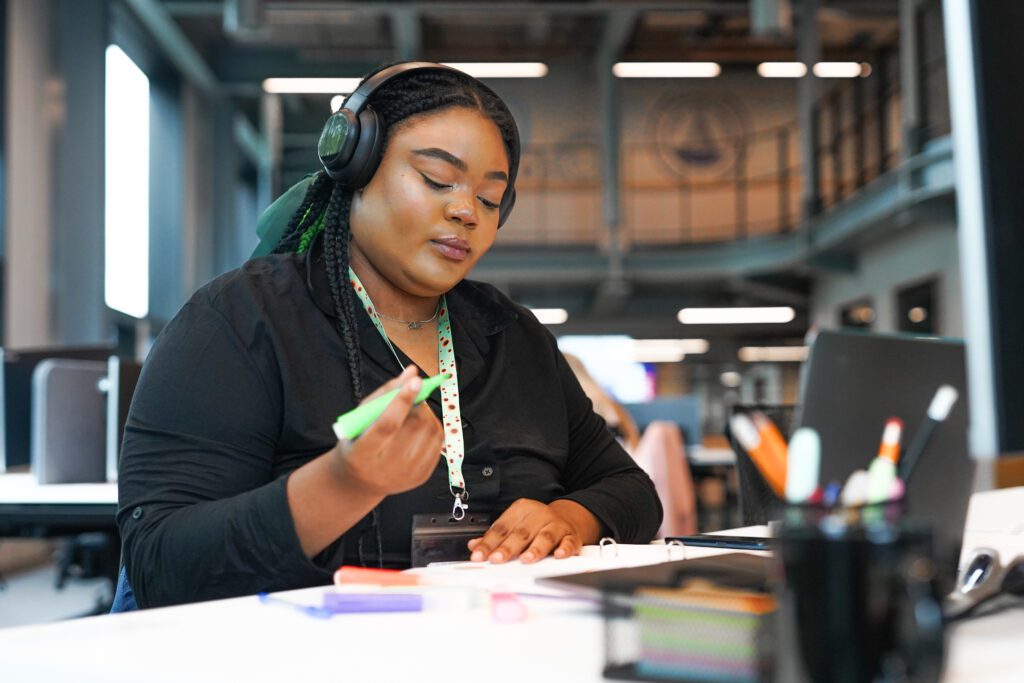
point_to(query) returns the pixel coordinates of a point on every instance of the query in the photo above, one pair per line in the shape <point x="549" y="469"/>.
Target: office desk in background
<point x="561" y="640"/>
<point x="28" y="509"/>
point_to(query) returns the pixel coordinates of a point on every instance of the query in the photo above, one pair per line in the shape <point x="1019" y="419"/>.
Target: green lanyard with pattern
<point x="454" y="447"/>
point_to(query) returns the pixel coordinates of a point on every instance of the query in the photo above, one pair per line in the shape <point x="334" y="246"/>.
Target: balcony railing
<point x="725" y="189"/>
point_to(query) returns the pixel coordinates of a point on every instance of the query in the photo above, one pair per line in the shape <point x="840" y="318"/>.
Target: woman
<point x="231" y="480"/>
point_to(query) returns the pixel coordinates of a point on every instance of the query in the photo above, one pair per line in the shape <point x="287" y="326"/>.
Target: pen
<point x="830" y="496"/>
<point x="356" y="421"/>
<point x="802" y="465"/>
<point x="938" y="411"/>
<point x="765" y="455"/>
<point x="882" y="471"/>
<point x="311" y="610"/>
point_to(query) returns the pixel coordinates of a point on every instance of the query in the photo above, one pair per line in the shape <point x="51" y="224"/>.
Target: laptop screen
<point x="854" y="382"/>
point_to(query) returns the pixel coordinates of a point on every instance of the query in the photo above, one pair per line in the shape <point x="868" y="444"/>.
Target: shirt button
<point x="487" y="471"/>
<point x="136" y="513"/>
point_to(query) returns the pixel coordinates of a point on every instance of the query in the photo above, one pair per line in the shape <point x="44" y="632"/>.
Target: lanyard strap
<point x="451" y="413"/>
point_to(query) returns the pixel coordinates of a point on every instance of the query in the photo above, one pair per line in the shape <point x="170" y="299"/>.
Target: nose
<point x="462" y="211"/>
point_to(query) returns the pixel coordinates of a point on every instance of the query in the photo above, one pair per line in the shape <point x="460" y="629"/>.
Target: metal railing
<point x="729" y="188"/>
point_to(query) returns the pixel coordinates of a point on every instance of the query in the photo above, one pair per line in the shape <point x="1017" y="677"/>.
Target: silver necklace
<point x="412" y="324"/>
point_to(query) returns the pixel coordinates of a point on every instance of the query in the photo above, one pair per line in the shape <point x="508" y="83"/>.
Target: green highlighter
<point x="358" y="420"/>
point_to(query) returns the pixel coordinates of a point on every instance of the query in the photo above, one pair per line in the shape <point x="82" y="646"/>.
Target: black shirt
<point x="242" y="387"/>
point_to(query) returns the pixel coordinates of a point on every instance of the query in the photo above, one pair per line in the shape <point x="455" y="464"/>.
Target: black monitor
<point x="122" y="376"/>
<point x="16" y="369"/>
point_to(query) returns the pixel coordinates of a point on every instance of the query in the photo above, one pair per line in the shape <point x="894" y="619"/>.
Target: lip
<point x="452" y="247"/>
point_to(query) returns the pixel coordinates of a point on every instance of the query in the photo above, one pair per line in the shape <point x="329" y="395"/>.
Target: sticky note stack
<point x="703" y="632"/>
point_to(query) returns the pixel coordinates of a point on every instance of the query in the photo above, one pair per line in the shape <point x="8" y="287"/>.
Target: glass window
<point x="126" y="196"/>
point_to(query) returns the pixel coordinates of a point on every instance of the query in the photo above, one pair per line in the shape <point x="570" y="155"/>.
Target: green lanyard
<point x="454" y="447"/>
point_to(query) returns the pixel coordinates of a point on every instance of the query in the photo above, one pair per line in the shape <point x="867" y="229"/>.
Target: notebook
<point x="738" y="570"/>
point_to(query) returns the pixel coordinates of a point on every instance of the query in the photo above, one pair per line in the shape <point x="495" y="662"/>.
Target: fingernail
<point x="497" y="557"/>
<point x="527" y="557"/>
<point x="559" y="553"/>
<point x="414" y="384"/>
<point x="477" y="556"/>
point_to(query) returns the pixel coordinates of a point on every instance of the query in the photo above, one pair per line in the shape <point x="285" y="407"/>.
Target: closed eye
<point x="487" y="203"/>
<point x="433" y="184"/>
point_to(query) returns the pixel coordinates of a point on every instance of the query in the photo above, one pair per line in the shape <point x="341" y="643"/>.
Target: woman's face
<point x="431" y="210"/>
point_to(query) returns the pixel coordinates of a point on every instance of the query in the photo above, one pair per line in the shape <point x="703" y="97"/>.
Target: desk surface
<point x="23" y="489"/>
<point x="28" y="509"/>
<point x="702" y="455"/>
<point x="241" y="639"/>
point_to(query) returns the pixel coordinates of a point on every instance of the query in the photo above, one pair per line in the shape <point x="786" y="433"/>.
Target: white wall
<point x="914" y="254"/>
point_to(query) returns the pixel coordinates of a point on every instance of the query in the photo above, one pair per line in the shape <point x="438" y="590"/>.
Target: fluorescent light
<point x="769" y="354"/>
<point x="782" y="69"/>
<point x="736" y="316"/>
<point x="347" y="85"/>
<point x="310" y="85"/>
<point x="666" y="69"/>
<point x="667" y="350"/>
<point x="551" y="316"/>
<point x="837" y="69"/>
<point x="730" y="379"/>
<point x="501" y="69"/>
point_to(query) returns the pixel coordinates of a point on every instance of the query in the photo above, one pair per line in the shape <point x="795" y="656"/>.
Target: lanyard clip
<point x="459" y="509"/>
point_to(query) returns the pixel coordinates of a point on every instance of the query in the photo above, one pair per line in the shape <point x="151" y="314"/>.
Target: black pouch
<point x="442" y="538"/>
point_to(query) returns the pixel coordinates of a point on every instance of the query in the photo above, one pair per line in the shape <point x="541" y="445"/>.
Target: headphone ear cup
<point x="366" y="153"/>
<point x="338" y="141"/>
<point x="508" y="200"/>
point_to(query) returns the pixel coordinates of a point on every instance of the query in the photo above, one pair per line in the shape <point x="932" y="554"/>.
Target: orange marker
<point x="761" y="439"/>
<point x="890" y="446"/>
<point x="771" y="435"/>
<point x="882" y="471"/>
<point x="375" y="577"/>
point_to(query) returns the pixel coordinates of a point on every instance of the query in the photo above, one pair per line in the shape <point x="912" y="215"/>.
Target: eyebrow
<point x="444" y="155"/>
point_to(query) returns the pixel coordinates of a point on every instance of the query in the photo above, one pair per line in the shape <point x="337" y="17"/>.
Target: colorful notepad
<point x="702" y="632"/>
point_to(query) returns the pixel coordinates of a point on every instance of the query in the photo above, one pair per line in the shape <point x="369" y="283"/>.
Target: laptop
<point x="853" y="382"/>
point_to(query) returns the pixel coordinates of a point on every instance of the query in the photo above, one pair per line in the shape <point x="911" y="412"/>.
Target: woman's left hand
<point x="531" y="530"/>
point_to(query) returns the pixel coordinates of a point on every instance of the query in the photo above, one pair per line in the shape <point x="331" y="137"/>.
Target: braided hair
<point x="326" y="207"/>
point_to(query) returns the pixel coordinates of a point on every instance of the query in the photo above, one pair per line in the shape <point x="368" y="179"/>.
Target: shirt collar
<point x="475" y="312"/>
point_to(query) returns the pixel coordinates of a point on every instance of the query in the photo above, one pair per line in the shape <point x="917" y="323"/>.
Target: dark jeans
<point x="124" y="598"/>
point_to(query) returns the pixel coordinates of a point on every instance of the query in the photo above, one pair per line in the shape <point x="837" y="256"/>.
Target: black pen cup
<point x="857" y="597"/>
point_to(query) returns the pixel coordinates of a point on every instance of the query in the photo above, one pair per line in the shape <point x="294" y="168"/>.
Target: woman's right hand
<point x="399" y="451"/>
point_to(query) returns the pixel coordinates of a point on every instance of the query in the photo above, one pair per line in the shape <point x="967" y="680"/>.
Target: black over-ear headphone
<point x="352" y="141"/>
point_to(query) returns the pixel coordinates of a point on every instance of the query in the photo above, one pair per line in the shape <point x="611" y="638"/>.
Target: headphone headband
<point x="357" y="100"/>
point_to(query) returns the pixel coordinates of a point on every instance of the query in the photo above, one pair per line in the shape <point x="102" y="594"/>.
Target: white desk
<point x="243" y="640"/>
<point x="26" y="508"/>
<point x="701" y="455"/>
<point x="22" y="489"/>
